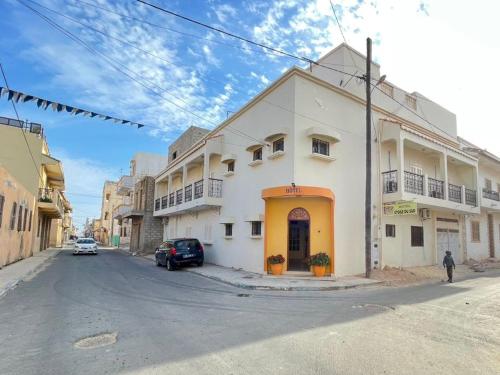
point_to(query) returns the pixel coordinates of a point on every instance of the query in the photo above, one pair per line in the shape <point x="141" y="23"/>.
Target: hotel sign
<point x="400" y="208"/>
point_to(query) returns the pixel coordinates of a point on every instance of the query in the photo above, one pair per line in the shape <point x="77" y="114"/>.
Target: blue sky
<point x="210" y="74"/>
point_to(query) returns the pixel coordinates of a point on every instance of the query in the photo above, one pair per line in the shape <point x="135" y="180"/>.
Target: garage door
<point x="448" y="239"/>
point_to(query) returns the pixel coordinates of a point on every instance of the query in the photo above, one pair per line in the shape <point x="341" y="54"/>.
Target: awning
<point x="323" y="132"/>
<point x="54" y="171"/>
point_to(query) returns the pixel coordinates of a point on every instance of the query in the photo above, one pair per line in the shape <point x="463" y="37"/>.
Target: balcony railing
<point x="164" y="202"/>
<point x="157" y="204"/>
<point x="390" y="181"/>
<point x="188" y="193"/>
<point x="414" y="183"/>
<point x="435" y="188"/>
<point x="178" y="197"/>
<point x="490" y="194"/>
<point x="455" y="193"/>
<point x="49" y="195"/>
<point x="470" y="197"/>
<point x="171" y="199"/>
<point x="198" y="189"/>
<point x="214" y="188"/>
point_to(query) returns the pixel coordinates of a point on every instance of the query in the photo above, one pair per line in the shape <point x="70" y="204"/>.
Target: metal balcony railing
<point x="164" y="202"/>
<point x="178" y="197"/>
<point x="49" y="195"/>
<point x="490" y="194"/>
<point x="390" y="181"/>
<point x="470" y="197"/>
<point x="188" y="193"/>
<point x="414" y="183"/>
<point x="157" y="204"/>
<point x="435" y="188"/>
<point x="198" y="189"/>
<point x="214" y="188"/>
<point x="455" y="193"/>
<point x="171" y="199"/>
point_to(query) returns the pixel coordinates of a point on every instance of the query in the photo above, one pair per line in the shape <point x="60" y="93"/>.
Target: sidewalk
<point x="250" y="280"/>
<point x="12" y="274"/>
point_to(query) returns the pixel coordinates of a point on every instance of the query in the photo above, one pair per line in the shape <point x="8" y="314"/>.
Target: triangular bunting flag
<point x="69" y="109"/>
<point x="11" y="94"/>
<point x="139" y="126"/>
<point x="28" y="98"/>
<point x="39" y="102"/>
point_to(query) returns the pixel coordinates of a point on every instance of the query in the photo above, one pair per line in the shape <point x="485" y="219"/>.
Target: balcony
<point x="490" y="194"/>
<point x="50" y="203"/>
<point x="121" y="210"/>
<point x="429" y="192"/>
<point x="196" y="196"/>
<point x="125" y="185"/>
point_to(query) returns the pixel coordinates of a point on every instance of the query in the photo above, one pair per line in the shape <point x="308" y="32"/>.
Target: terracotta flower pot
<point x="319" y="271"/>
<point x="277" y="269"/>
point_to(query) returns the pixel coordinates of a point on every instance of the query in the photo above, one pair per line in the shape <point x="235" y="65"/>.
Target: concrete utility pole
<point x="368" y="187"/>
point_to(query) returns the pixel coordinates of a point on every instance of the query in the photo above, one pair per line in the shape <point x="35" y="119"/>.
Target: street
<point x="179" y="322"/>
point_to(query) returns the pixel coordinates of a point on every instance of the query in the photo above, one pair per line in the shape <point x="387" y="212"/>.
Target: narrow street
<point x="179" y="322"/>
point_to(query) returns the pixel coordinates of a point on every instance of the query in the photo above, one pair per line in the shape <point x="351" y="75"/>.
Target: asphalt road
<point x="181" y="323"/>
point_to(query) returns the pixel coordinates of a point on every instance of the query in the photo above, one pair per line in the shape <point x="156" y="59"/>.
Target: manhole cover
<point x="243" y="295"/>
<point x="96" y="341"/>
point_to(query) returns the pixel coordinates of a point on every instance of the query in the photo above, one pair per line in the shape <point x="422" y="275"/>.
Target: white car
<point x="85" y="246"/>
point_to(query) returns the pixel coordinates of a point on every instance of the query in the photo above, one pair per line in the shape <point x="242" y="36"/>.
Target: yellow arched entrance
<point x="309" y="204"/>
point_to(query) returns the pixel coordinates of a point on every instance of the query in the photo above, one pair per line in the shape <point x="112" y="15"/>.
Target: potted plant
<point x="319" y="262"/>
<point x="275" y="263"/>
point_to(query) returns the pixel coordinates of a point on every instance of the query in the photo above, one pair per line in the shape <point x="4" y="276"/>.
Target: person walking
<point x="449" y="264"/>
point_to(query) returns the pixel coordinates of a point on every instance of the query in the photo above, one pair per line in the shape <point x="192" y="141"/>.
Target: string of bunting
<point x="17" y="96"/>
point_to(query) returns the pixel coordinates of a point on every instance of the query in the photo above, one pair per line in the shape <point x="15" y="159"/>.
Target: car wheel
<point x="199" y="264"/>
<point x="170" y="265"/>
<point x="158" y="262"/>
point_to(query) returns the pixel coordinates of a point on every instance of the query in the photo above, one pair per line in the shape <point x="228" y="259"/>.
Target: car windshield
<point x="166" y="245"/>
<point x="187" y="245"/>
<point x="85" y="241"/>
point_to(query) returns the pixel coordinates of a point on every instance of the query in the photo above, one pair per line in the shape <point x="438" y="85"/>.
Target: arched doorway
<point x="298" y="239"/>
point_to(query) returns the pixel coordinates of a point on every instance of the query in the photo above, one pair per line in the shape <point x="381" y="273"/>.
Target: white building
<point x="286" y="175"/>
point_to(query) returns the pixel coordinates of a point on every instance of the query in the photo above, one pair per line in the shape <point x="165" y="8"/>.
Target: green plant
<point x="276" y="259"/>
<point x="45" y="200"/>
<point x="319" y="259"/>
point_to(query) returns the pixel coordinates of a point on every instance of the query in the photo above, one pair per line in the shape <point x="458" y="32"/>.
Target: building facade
<point x="110" y="200"/>
<point x="286" y="175"/>
<point x="38" y="173"/>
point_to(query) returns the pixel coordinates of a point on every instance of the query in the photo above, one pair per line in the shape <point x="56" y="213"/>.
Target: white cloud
<point x="224" y="12"/>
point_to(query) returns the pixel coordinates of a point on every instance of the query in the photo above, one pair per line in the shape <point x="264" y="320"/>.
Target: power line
<point x="112" y="62"/>
<point x="266" y="47"/>
<point x="22" y="130"/>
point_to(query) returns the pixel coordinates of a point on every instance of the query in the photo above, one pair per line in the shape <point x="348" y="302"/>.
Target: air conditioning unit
<point x="425" y="213"/>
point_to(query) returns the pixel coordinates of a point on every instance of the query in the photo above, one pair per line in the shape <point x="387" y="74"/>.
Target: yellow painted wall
<point x="321" y="225"/>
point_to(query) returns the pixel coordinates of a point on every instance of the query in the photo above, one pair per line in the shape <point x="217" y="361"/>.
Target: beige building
<point x="40" y="174"/>
<point x="110" y="200"/>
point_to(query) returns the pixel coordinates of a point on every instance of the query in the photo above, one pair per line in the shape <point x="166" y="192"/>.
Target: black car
<point x="179" y="251"/>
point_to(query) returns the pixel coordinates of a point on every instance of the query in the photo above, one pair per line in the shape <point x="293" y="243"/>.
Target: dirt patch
<point x="96" y="341"/>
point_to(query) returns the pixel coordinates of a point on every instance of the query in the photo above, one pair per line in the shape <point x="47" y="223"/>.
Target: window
<point x="107" y="196"/>
<point x="230" y="166"/>
<point x="25" y="219"/>
<point x="174" y="155"/>
<point x="2" y="201"/>
<point x="417" y="236"/>
<point x="31" y="219"/>
<point x="416" y="169"/>
<point x="228" y="230"/>
<point x="411" y="101"/>
<point x="320" y="147"/>
<point x="20" y="219"/>
<point x="474" y="229"/>
<point x="124" y="231"/>
<point x="279" y="145"/>
<point x="256" y="228"/>
<point x="257" y="154"/>
<point x="487" y="184"/>
<point x="390" y="230"/>
<point x="106" y="214"/>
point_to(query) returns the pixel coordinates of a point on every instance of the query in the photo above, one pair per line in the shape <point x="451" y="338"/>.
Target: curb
<point x="14" y="283"/>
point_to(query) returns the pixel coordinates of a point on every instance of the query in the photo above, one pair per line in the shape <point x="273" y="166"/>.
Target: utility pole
<point x="368" y="186"/>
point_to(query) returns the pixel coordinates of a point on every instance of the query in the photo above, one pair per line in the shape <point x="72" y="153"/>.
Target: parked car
<point x="85" y="246"/>
<point x="180" y="251"/>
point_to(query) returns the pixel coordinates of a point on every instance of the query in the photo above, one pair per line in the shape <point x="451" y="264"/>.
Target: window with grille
<point x="2" y="201"/>
<point x="279" y="145"/>
<point x="390" y="230"/>
<point x="411" y="101"/>
<point x="417" y="236"/>
<point x="20" y="219"/>
<point x="228" y="230"/>
<point x="257" y="154"/>
<point x="475" y="235"/>
<point x="320" y="147"/>
<point x="256" y="228"/>
<point x="230" y="166"/>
